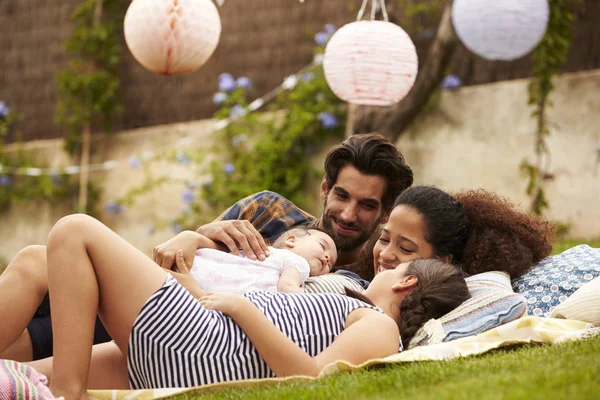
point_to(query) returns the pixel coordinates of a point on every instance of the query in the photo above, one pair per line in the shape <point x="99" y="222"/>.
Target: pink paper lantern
<point x="370" y="63"/>
<point x="172" y="37"/>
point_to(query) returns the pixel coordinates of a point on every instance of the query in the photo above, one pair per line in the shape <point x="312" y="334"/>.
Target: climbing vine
<point x="549" y="57"/>
<point x="88" y="89"/>
<point x="258" y="151"/>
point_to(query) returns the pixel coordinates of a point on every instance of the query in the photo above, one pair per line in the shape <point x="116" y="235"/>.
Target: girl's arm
<point x="368" y="334"/>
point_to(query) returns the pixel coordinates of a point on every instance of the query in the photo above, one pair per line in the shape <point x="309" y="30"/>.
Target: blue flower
<point x="55" y="177"/>
<point x="229" y="168"/>
<point x="330" y="28"/>
<point x="182" y="158"/>
<point x="244" y="82"/>
<point x="225" y="75"/>
<point x="113" y="207"/>
<point x="219" y="98"/>
<point x="237" y="111"/>
<point x="187" y="196"/>
<point x="321" y="38"/>
<point x="4" y="110"/>
<point x="307" y="77"/>
<point x="226" y="83"/>
<point x="450" y="82"/>
<point x="176" y="227"/>
<point x="150" y="228"/>
<point x="135" y="162"/>
<point x="328" y="120"/>
<point x="5" y="181"/>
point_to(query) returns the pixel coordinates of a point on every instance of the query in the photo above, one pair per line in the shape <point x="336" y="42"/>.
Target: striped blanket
<point x="21" y="382"/>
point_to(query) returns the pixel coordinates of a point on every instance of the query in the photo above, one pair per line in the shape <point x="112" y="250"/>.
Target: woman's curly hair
<point x="502" y="237"/>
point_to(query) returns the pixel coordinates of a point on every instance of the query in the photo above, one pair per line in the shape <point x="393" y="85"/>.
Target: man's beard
<point x="344" y="243"/>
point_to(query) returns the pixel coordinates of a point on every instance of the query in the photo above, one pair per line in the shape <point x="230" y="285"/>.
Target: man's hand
<point x="188" y="241"/>
<point x="236" y="235"/>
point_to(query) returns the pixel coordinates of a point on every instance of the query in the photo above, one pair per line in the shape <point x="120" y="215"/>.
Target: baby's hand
<point x="227" y="303"/>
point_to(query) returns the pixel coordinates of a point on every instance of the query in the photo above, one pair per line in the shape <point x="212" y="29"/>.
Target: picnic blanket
<point x="525" y="330"/>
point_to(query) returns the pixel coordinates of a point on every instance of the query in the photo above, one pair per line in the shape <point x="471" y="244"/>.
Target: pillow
<point x="557" y="277"/>
<point x="20" y="381"/>
<point x="583" y="305"/>
<point x="492" y="304"/>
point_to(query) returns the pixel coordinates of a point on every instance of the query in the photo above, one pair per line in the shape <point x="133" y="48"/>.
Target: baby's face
<point x="318" y="249"/>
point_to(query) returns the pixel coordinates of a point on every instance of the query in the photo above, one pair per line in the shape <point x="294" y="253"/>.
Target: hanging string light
<point x="371" y="62"/>
<point x="172" y="37"/>
<point x="500" y="30"/>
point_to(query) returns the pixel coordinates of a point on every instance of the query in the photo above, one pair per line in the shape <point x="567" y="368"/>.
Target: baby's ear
<point x="290" y="241"/>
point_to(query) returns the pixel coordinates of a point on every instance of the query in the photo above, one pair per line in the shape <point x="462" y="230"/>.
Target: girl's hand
<point x="227" y="303"/>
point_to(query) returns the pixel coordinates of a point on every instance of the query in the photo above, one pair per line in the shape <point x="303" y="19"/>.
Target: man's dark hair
<point x="371" y="154"/>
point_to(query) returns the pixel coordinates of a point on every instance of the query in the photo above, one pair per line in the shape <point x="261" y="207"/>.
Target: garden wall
<point x="477" y="137"/>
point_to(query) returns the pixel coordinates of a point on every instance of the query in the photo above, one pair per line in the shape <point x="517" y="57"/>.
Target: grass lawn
<point x="564" y="371"/>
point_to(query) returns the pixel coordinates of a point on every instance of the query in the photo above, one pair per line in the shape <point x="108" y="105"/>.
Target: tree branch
<point x="393" y="120"/>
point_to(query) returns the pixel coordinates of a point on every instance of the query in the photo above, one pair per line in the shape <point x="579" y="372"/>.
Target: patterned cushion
<point x="492" y="304"/>
<point x="557" y="277"/>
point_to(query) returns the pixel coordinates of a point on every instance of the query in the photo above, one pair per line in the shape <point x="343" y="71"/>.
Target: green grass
<point x="564" y="371"/>
<point x="563" y="245"/>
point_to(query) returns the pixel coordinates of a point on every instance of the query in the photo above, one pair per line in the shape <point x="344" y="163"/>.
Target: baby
<point x="298" y="253"/>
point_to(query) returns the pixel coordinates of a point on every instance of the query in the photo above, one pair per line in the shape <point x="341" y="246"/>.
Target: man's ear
<point x="290" y="241"/>
<point x="407" y="282"/>
<point x="324" y="189"/>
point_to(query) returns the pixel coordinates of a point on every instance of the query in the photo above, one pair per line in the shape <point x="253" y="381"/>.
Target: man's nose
<point x="350" y="213"/>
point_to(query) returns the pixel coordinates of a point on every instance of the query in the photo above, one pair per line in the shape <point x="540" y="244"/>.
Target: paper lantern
<point x="500" y="29"/>
<point x="370" y="63"/>
<point x="172" y="37"/>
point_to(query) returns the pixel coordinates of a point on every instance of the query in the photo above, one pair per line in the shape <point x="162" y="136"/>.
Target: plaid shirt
<point x="269" y="212"/>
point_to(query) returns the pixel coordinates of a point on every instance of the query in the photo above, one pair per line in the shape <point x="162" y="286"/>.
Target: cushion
<point x="492" y="304"/>
<point x="557" y="277"/>
<point x="583" y="305"/>
<point x="21" y="382"/>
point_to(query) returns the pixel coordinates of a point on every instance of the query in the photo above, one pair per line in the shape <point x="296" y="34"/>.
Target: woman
<point x="171" y="339"/>
<point x="478" y="230"/>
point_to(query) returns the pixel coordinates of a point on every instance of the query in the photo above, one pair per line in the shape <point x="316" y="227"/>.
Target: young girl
<point x="173" y="340"/>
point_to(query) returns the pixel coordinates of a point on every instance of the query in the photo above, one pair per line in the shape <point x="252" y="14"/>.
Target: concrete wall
<point x="477" y="137"/>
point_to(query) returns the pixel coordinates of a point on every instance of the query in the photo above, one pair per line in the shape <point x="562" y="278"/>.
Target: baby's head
<point x="314" y="245"/>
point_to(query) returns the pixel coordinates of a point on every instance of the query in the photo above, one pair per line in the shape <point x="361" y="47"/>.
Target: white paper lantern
<point x="500" y="29"/>
<point x="172" y="37"/>
<point x="370" y="63"/>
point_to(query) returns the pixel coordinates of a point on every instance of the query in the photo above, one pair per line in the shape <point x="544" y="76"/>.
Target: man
<point x="363" y="176"/>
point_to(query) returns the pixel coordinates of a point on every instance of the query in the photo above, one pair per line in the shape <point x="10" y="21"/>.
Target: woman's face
<point x="402" y="239"/>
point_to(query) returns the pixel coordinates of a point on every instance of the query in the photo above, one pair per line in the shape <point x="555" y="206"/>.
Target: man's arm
<point x="290" y="281"/>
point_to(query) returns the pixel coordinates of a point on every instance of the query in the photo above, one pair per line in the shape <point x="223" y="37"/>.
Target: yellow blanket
<point x="524" y="330"/>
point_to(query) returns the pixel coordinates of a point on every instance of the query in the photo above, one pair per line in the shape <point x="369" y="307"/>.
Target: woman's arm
<point x="368" y="334"/>
<point x="188" y="241"/>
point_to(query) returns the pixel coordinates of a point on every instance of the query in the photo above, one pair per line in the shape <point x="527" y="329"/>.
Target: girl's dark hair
<point x="440" y="288"/>
<point x="502" y="238"/>
<point x="446" y="223"/>
<point x="371" y="154"/>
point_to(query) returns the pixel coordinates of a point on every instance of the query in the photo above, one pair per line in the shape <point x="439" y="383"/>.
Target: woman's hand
<point x="228" y="303"/>
<point x="184" y="277"/>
